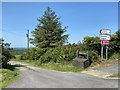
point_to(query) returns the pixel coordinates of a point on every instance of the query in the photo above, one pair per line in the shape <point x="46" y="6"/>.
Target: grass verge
<point x="7" y="76"/>
<point x="115" y="76"/>
<point x="60" y="67"/>
<point x="67" y="67"/>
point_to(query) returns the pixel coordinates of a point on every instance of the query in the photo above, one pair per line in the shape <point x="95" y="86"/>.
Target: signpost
<point x="106" y="52"/>
<point x="105" y="41"/>
<point x="101" y="51"/>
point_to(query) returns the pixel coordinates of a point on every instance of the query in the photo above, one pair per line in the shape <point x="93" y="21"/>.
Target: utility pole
<point x="27" y="40"/>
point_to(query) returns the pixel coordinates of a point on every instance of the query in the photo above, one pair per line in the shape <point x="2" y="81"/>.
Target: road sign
<point x="105" y="32"/>
<point x="106" y="42"/>
<point x="104" y="37"/>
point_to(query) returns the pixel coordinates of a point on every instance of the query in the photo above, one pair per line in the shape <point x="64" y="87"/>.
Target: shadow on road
<point x="13" y="67"/>
<point x="18" y="65"/>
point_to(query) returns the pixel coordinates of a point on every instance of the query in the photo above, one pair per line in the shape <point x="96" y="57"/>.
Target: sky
<point x="82" y="18"/>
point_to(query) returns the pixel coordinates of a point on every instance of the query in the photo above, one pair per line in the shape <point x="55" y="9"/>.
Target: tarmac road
<point x="42" y="78"/>
<point x="111" y="69"/>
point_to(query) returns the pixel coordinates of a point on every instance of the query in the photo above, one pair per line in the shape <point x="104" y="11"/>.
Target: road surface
<point x="111" y="69"/>
<point x="42" y="78"/>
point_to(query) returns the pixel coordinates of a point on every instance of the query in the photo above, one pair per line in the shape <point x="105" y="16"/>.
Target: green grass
<point x="115" y="56"/>
<point x="7" y="76"/>
<point x="68" y="67"/>
<point x="60" y="67"/>
<point x="115" y="76"/>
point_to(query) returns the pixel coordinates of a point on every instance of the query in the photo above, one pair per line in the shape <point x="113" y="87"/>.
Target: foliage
<point x="23" y="56"/>
<point x="115" y="42"/>
<point x="49" y="32"/>
<point x="93" y="56"/>
<point x="8" y="76"/>
<point x="5" y="53"/>
<point x="59" y="55"/>
<point x="33" y="54"/>
<point x="115" y="56"/>
<point x="92" y="44"/>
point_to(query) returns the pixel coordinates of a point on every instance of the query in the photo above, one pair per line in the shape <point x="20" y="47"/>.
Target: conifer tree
<point x="49" y="31"/>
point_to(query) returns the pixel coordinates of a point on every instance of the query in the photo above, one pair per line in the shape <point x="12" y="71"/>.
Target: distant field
<point x="18" y="51"/>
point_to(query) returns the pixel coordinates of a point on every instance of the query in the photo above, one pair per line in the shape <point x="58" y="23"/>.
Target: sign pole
<point x="101" y="51"/>
<point x="106" y="52"/>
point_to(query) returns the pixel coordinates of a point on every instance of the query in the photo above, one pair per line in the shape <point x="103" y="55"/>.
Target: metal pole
<point x="106" y="52"/>
<point x="101" y="51"/>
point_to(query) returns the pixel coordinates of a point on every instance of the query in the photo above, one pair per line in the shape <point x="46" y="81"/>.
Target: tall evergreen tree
<point x="49" y="32"/>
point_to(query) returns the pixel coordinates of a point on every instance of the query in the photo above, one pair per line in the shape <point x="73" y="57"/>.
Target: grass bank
<point x="66" y="67"/>
<point x="7" y="76"/>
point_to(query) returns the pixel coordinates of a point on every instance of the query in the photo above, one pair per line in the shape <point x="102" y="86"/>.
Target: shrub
<point x="23" y="56"/>
<point x="5" y="54"/>
<point x="62" y="54"/>
<point x="93" y="55"/>
<point x="59" y="55"/>
<point x="115" y="56"/>
<point x="33" y="54"/>
<point x="50" y="56"/>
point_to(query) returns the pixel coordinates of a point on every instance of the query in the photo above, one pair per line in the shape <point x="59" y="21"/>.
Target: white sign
<point x="105" y="32"/>
<point x="104" y="37"/>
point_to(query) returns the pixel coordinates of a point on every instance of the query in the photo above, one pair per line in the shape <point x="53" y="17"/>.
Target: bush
<point x="93" y="56"/>
<point x="62" y="54"/>
<point x="59" y="55"/>
<point x="51" y="55"/>
<point x="33" y="54"/>
<point x="5" y="54"/>
<point x="115" y="56"/>
<point x="23" y="56"/>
